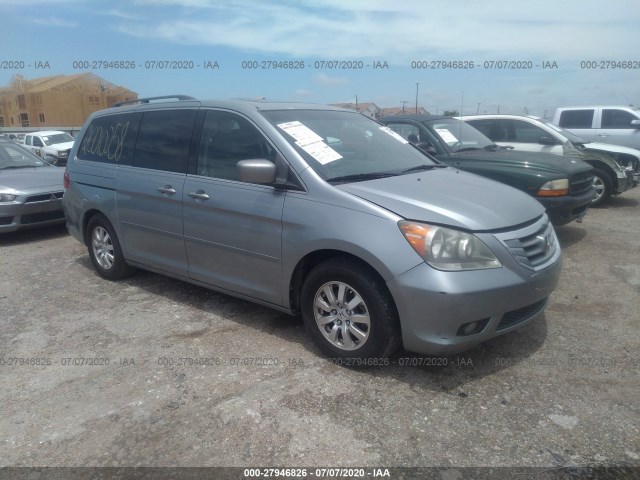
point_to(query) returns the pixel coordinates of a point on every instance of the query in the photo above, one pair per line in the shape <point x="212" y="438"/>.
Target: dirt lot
<point x="175" y="375"/>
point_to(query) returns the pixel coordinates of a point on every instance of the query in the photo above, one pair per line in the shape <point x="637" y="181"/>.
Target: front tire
<point x="604" y="187"/>
<point x="104" y="249"/>
<point x="349" y="312"/>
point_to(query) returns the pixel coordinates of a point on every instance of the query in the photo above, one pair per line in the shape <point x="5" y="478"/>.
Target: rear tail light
<point x="66" y="178"/>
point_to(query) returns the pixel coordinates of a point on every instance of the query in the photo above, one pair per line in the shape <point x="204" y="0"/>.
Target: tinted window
<point x="226" y="139"/>
<point x="37" y="142"/>
<point x="576" y="119"/>
<point x="524" y="132"/>
<point x="110" y="139"/>
<point x="613" y="118"/>
<point x="163" y="140"/>
<point x="27" y="140"/>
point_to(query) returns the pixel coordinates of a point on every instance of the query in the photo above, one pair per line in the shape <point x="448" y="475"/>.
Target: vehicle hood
<point x="546" y="162"/>
<point x="27" y="179"/>
<point x="61" y="146"/>
<point x="447" y="196"/>
<point x="608" y="147"/>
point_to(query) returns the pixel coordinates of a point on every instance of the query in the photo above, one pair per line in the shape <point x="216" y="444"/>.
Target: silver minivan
<point x="311" y="210"/>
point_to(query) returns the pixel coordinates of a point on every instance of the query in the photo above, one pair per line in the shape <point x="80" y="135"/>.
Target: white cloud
<point x="53" y="22"/>
<point x="401" y="31"/>
<point x="324" y="79"/>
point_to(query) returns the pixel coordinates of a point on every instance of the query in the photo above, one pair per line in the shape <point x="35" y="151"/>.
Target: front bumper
<point x="567" y="208"/>
<point x="18" y="216"/>
<point x="434" y="306"/>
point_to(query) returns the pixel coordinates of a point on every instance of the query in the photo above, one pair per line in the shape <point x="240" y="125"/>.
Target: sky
<point x="492" y="56"/>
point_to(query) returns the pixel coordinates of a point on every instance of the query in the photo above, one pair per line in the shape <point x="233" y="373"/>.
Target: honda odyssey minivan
<point x="311" y="210"/>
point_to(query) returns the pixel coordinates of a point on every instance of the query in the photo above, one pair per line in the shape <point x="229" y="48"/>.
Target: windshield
<point x="565" y="133"/>
<point x="57" y="138"/>
<point x="13" y="156"/>
<point x="458" y="135"/>
<point x="344" y="146"/>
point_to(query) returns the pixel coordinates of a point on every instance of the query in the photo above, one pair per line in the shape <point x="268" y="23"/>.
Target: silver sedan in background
<point x="30" y="189"/>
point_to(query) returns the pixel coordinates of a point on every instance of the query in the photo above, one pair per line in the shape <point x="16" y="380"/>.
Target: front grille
<point x="515" y="317"/>
<point x="42" y="217"/>
<point x="6" y="220"/>
<point x="580" y="183"/>
<point x="532" y="246"/>
<point x="44" y="197"/>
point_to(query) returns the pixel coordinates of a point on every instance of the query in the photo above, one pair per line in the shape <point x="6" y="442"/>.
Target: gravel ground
<point x="182" y="376"/>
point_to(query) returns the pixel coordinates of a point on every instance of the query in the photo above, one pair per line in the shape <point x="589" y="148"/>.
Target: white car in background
<point x="52" y="145"/>
<point x="616" y="168"/>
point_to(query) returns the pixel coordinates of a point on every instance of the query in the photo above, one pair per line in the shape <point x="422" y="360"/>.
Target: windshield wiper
<point x="361" y="177"/>
<point x="418" y="168"/>
<point x="493" y="147"/>
<point x="467" y="149"/>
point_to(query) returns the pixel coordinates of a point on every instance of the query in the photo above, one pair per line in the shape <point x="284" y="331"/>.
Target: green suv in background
<point x="565" y="187"/>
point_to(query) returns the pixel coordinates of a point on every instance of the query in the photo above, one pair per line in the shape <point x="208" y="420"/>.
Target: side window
<point x="526" y="133"/>
<point x="37" y="142"/>
<point x="407" y="131"/>
<point x="576" y="118"/>
<point x="495" y="130"/>
<point x="27" y="140"/>
<point x="110" y="139"/>
<point x="163" y="140"/>
<point x="614" y="118"/>
<point x="226" y="139"/>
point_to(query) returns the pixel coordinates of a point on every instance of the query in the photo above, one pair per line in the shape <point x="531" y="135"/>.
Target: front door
<point x="233" y="229"/>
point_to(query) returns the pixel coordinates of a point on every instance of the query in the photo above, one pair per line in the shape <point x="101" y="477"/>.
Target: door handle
<point x="199" y="195"/>
<point x="168" y="189"/>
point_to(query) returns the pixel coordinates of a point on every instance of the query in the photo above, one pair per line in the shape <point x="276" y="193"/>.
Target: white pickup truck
<point x="52" y="145"/>
<point x="608" y="124"/>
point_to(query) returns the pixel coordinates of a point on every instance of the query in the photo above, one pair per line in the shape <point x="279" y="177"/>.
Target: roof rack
<point x="148" y="99"/>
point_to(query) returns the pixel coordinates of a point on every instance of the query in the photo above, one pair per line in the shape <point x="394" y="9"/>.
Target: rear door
<point x="149" y="191"/>
<point x="580" y="122"/>
<point x="233" y="229"/>
<point x="615" y="127"/>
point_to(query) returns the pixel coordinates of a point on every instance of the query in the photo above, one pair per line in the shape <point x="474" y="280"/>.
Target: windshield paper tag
<point x="395" y="135"/>
<point x="310" y="142"/>
<point x="446" y="135"/>
<point x="301" y="133"/>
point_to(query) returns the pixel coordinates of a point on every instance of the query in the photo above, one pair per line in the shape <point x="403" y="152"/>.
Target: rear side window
<point x="614" y="118"/>
<point x="110" y="139"/>
<point x="163" y="141"/>
<point x="576" y="118"/>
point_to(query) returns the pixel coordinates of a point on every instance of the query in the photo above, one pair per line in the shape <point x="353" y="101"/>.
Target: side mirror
<point x="635" y="123"/>
<point x="257" y="170"/>
<point x="546" y="140"/>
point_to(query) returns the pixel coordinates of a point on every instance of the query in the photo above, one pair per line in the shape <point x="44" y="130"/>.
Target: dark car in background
<point x="564" y="186"/>
<point x="31" y="190"/>
<point x="616" y="168"/>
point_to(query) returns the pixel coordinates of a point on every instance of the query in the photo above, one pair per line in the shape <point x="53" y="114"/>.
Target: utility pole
<point x="356" y="102"/>
<point x="404" y="103"/>
<point x="478" y="109"/>
<point x="417" y="84"/>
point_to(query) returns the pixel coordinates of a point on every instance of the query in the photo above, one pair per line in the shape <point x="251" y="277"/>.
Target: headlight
<point x="554" y="188"/>
<point x="448" y="249"/>
<point x="7" y="197"/>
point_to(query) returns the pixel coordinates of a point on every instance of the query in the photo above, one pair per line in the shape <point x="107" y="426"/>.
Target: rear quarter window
<point x="576" y="118"/>
<point x="110" y="139"/>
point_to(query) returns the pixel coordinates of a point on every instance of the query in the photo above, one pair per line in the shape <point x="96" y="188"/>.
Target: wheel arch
<point x="311" y="259"/>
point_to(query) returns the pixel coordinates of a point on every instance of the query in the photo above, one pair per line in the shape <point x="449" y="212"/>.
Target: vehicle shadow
<point x="569" y="235"/>
<point x="33" y="235"/>
<point x="445" y="373"/>
<point x="618" y="202"/>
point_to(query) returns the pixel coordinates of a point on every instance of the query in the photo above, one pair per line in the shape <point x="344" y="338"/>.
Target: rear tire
<point x="604" y="186"/>
<point x="104" y="249"/>
<point x="349" y="312"/>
